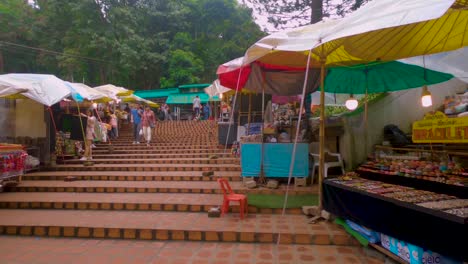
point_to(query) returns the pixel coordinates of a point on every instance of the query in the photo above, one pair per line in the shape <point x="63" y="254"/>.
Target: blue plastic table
<point x="276" y="159"/>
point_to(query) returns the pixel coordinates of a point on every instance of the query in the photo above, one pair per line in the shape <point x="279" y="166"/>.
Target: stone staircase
<point x="157" y="192"/>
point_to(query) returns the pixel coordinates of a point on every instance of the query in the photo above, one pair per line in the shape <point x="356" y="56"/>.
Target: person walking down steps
<point x="90" y="135"/>
<point x="148" y="122"/>
<point x="136" y="114"/>
<point x="196" y="107"/>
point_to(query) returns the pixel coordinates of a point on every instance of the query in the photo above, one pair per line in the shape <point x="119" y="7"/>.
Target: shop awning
<point x="112" y="90"/>
<point x="43" y="88"/>
<point x="156" y="93"/>
<point x="137" y="99"/>
<point x="188" y="98"/>
<point x="198" y="85"/>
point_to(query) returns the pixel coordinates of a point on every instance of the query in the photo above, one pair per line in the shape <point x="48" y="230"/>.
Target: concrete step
<point x="127" y="143"/>
<point x="160" y="225"/>
<point x="162" y="155"/>
<point x="149" y="150"/>
<point x="124" y="201"/>
<point x="158" y="161"/>
<point x="28" y="249"/>
<point x="133" y="175"/>
<point x="147" y="167"/>
<point x="144" y="147"/>
<point x="206" y="187"/>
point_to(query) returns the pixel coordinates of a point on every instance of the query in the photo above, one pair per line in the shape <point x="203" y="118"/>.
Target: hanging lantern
<point x="426" y="97"/>
<point x="351" y="103"/>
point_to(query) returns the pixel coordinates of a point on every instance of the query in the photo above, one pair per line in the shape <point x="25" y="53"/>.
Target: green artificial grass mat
<point x="275" y="201"/>
<point x="362" y="240"/>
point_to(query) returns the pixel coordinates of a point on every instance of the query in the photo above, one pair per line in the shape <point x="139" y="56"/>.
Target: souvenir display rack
<point x="12" y="159"/>
<point x="426" y="170"/>
<point x="411" y="214"/>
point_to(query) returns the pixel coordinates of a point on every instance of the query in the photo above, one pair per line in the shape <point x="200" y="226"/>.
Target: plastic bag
<point x="141" y="132"/>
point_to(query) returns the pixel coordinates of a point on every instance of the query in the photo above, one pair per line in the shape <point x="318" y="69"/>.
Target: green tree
<point x="138" y="44"/>
<point x="184" y="67"/>
<point x="16" y="19"/>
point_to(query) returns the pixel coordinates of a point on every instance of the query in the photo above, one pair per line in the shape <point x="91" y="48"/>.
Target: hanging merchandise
<point x="12" y="161"/>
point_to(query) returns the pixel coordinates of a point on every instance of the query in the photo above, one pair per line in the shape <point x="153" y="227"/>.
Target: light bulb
<point x="351" y="103"/>
<point x="94" y="106"/>
<point x="426" y="97"/>
<point x="221" y="96"/>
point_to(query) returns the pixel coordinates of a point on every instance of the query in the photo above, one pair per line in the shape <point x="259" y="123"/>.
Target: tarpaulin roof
<point x="188" y="98"/>
<point x="381" y="77"/>
<point x="275" y="79"/>
<point x="454" y="62"/>
<point x="157" y="93"/>
<point x="135" y="98"/>
<point x="112" y="90"/>
<point x="197" y="85"/>
<point x="216" y="89"/>
<point x="82" y="91"/>
<point x="43" y="88"/>
<point x="383" y="30"/>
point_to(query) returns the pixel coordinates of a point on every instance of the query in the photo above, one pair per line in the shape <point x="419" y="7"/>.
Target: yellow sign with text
<point x="438" y="128"/>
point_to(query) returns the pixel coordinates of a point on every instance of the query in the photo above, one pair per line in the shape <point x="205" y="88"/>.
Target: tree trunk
<point x="1" y="63"/>
<point x="102" y="75"/>
<point x="317" y="11"/>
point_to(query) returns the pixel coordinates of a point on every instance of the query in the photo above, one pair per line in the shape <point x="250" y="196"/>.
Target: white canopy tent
<point x="215" y="89"/>
<point x="113" y="91"/>
<point x="89" y="93"/>
<point x="43" y="88"/>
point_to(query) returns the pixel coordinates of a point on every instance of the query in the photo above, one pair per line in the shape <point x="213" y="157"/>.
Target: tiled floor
<point x="270" y="223"/>
<point x="31" y="250"/>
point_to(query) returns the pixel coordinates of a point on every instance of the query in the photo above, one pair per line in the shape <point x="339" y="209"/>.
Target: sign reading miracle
<point x="438" y="128"/>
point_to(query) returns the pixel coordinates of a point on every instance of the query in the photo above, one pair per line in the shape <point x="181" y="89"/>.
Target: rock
<point x="214" y="212"/>
<point x="70" y="178"/>
<point x="250" y="184"/>
<point x="247" y="179"/>
<point x="272" y="184"/>
<point x="310" y="210"/>
<point x="315" y="219"/>
<point x="207" y="173"/>
<point x="300" y="181"/>
<point x="326" y="215"/>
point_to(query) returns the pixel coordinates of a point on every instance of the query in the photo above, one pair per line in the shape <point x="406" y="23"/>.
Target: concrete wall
<point x="398" y="108"/>
<point x="29" y="117"/>
<point x="7" y="119"/>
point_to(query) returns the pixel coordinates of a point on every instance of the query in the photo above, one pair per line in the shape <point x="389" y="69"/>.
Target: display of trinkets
<point x="461" y="212"/>
<point x="447" y="204"/>
<point x="427" y="199"/>
<point x="445" y="172"/>
<point x="282" y="115"/>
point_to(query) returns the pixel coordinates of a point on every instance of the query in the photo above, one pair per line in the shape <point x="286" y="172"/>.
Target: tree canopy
<point x="292" y="13"/>
<point x="138" y="44"/>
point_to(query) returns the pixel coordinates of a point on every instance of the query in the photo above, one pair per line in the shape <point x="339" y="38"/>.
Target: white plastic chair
<point x="314" y="150"/>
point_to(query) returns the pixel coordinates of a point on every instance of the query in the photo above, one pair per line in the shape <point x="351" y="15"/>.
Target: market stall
<point x="435" y="222"/>
<point x="12" y="162"/>
<point x="415" y="192"/>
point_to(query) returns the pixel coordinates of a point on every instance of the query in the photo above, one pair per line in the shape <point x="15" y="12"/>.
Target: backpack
<point x="396" y="137"/>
